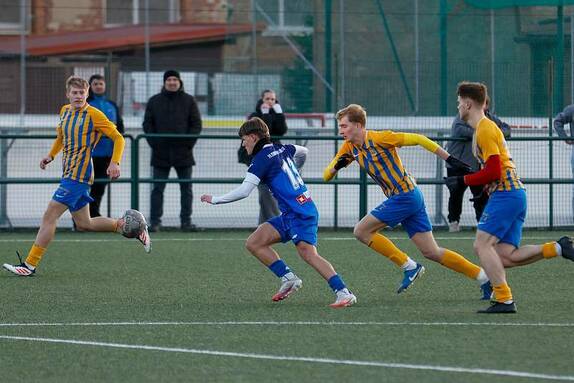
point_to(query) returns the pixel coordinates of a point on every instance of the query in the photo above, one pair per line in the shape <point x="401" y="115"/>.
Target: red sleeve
<point x="490" y="172"/>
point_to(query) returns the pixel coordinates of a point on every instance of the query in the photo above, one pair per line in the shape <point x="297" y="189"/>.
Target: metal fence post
<point x="438" y="188"/>
<point x="135" y="165"/>
<point x="363" y="194"/>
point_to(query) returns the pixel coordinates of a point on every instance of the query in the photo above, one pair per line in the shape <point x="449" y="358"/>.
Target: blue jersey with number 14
<point x="274" y="166"/>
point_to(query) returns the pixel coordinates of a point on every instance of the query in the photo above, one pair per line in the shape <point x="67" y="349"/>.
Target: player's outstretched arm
<point x="411" y="139"/>
<point x="249" y="183"/>
<point x="339" y="162"/>
<point x="492" y="171"/>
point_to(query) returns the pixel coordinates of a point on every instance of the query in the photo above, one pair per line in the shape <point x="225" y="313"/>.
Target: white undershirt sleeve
<point x="249" y="183"/>
<point x="300" y="156"/>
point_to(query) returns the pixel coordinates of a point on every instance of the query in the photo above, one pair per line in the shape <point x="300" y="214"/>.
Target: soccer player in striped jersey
<point x="81" y="127"/>
<point x="500" y="228"/>
<point x="276" y="166"/>
<point x="376" y="152"/>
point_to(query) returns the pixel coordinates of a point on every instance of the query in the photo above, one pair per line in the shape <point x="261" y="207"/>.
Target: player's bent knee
<point x="361" y="234"/>
<point x="251" y="245"/>
<point x="83" y="225"/>
<point x="507" y="260"/>
<point x="433" y="254"/>
<point x="476" y="245"/>
<point x="308" y="255"/>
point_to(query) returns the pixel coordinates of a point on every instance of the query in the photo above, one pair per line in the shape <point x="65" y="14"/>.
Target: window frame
<point x="174" y="13"/>
<point x="16" y="27"/>
<point x="283" y="29"/>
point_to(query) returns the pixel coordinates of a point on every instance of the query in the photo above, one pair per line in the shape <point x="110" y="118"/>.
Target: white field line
<point x="475" y="371"/>
<point x="295" y="323"/>
<point x="31" y="239"/>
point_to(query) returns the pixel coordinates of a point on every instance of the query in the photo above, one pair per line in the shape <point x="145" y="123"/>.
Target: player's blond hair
<point x="76" y="82"/>
<point x="255" y="126"/>
<point x="476" y="91"/>
<point x="354" y="113"/>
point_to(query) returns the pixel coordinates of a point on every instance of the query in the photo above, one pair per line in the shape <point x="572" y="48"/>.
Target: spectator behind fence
<point x="463" y="151"/>
<point x="102" y="153"/>
<point x="563" y="118"/>
<point x="269" y="110"/>
<point x="172" y="111"/>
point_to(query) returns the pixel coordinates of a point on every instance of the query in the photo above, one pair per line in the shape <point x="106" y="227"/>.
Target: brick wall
<point x="51" y="16"/>
<point x="204" y="11"/>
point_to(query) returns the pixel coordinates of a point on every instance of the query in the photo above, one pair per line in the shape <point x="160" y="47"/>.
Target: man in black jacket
<point x="175" y="112"/>
<point x="269" y="110"/>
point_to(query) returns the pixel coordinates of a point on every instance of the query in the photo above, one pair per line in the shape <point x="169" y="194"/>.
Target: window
<point x="122" y="12"/>
<point x="286" y="16"/>
<point x="10" y="15"/>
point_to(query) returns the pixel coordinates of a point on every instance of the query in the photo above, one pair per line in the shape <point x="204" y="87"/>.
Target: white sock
<point x="290" y="275"/>
<point x="558" y="249"/>
<point x="29" y="266"/>
<point x="409" y="265"/>
<point x="482" y="277"/>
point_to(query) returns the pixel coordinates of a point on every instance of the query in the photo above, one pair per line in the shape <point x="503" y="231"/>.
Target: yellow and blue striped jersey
<point x="78" y="133"/>
<point x="488" y="141"/>
<point x="379" y="157"/>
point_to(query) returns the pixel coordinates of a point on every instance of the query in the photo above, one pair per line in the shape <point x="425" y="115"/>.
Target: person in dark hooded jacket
<point x="172" y="111"/>
<point x="102" y="153"/>
<point x="269" y="110"/>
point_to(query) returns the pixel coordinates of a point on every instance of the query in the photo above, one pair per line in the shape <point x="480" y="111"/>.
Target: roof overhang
<point x="121" y="38"/>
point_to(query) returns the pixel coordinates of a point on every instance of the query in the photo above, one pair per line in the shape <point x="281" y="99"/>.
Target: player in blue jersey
<point x="276" y="166"/>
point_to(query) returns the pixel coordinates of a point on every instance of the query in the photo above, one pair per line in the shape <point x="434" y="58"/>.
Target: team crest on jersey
<point x="302" y="198"/>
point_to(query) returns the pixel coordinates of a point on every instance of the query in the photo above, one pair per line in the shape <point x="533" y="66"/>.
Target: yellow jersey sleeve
<point x="344" y="150"/>
<point x="412" y="139"/>
<point x="487" y="139"/>
<point x="106" y="127"/>
<point x="386" y="138"/>
<point x="389" y="138"/>
<point x="59" y="142"/>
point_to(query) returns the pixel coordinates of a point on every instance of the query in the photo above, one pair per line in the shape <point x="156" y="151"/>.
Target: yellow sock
<point x="502" y="293"/>
<point x="549" y="250"/>
<point x="460" y="264"/>
<point x="385" y="247"/>
<point x="35" y="255"/>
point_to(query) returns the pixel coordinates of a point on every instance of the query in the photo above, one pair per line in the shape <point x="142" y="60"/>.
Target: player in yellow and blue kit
<point x="81" y="127"/>
<point x="376" y="152"/>
<point x="500" y="227"/>
<point x="276" y="165"/>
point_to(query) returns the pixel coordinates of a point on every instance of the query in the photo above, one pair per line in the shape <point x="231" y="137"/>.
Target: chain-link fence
<point x="401" y="60"/>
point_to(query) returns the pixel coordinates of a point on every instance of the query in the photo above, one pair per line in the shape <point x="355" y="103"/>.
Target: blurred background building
<point x="394" y="57"/>
<point x="400" y="59"/>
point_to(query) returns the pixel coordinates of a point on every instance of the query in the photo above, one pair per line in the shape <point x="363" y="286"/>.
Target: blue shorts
<point x="75" y="195"/>
<point x="504" y="216"/>
<point x="407" y="209"/>
<point x="296" y="229"/>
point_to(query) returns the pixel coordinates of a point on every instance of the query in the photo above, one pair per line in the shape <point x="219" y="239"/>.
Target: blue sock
<point x="279" y="268"/>
<point x="336" y="283"/>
